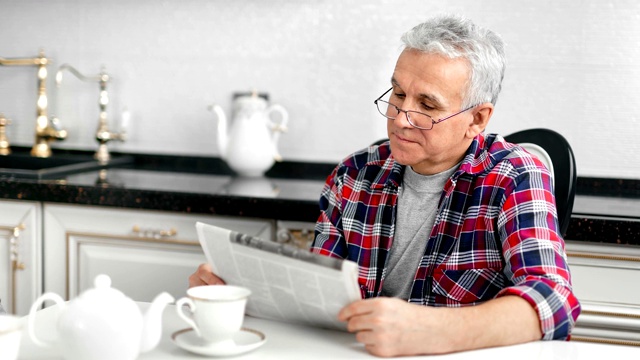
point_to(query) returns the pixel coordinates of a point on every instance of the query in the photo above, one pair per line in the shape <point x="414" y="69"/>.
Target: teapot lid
<point x="254" y="93"/>
<point x="250" y="101"/>
<point x="102" y="290"/>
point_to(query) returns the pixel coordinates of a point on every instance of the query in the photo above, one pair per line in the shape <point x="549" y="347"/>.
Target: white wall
<point x="574" y="66"/>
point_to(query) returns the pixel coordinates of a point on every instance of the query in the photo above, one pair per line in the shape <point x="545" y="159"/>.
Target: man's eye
<point x="399" y="96"/>
<point x="426" y="107"/>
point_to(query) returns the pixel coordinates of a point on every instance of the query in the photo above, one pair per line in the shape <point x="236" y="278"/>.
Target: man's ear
<point x="481" y="115"/>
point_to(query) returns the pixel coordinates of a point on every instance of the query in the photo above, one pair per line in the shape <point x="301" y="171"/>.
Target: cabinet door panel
<point x="145" y="252"/>
<point x="140" y="269"/>
<point x="603" y="276"/>
<point x="602" y="273"/>
<point x="599" y="281"/>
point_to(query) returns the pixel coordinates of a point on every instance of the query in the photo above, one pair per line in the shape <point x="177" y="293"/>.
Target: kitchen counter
<point x="290" y="191"/>
<point x="181" y="184"/>
<point x="605" y="219"/>
<point x="284" y="199"/>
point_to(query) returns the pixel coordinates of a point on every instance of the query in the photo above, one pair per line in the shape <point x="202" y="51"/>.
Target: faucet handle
<point x="53" y="130"/>
<point x="45" y="134"/>
<point x="3" y="120"/>
<point x="56" y="125"/>
<point x="125" y="119"/>
<point x="5" y="148"/>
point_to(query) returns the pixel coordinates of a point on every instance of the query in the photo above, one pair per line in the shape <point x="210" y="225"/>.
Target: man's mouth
<point x="403" y="139"/>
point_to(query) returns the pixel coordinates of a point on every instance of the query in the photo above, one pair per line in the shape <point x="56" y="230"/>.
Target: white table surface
<point x="289" y="341"/>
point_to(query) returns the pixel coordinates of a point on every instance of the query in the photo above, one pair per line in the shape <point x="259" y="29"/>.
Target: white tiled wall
<point x="574" y="66"/>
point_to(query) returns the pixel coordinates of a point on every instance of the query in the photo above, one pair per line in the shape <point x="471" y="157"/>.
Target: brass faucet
<point x="103" y="135"/>
<point x="47" y="129"/>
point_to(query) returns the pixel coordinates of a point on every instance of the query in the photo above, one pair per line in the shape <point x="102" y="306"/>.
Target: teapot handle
<point x="277" y="128"/>
<point x="32" y="316"/>
<point x="222" y="128"/>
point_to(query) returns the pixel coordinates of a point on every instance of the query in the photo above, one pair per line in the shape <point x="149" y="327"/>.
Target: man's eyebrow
<point x="429" y="97"/>
<point x="433" y="100"/>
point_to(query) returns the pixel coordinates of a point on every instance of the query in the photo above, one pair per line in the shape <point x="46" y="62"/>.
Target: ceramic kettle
<point x="249" y="144"/>
<point x="102" y="324"/>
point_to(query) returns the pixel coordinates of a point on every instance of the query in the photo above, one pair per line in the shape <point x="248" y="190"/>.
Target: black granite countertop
<point x="605" y="210"/>
<point x="289" y="191"/>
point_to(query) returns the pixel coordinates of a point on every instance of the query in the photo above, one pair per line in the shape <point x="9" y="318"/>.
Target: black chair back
<point x="564" y="167"/>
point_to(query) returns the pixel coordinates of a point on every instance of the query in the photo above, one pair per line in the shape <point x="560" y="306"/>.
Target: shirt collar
<point x="481" y="156"/>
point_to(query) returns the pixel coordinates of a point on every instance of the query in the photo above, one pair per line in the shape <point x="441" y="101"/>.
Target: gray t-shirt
<point x="418" y="199"/>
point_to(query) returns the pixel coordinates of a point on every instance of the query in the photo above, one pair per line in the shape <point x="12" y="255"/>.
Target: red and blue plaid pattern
<point x="495" y="234"/>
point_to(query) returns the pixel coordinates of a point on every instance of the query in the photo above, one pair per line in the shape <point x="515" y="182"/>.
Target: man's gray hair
<point x="456" y="37"/>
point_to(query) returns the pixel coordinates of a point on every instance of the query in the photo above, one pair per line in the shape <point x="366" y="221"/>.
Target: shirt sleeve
<point x="535" y="258"/>
<point x="329" y="239"/>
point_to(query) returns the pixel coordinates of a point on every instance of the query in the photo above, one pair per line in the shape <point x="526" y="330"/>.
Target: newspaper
<point x="287" y="283"/>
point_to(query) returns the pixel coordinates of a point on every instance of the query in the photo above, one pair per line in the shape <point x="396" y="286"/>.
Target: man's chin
<point x="402" y="151"/>
<point x="401" y="158"/>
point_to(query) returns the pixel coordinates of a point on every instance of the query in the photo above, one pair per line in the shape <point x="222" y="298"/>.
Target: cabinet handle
<point x="154" y="233"/>
<point x="14" y="244"/>
<point x="16" y="264"/>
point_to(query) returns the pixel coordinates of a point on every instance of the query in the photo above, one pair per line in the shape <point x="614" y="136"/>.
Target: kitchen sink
<point x="24" y="166"/>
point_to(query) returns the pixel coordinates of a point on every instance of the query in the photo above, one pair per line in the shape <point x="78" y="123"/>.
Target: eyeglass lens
<point x="391" y="111"/>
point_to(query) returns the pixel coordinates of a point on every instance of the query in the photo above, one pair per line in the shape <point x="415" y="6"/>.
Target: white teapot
<point x="249" y="147"/>
<point x="103" y="324"/>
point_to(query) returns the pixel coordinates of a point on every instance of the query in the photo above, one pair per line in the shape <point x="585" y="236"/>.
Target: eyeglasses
<point x="415" y="118"/>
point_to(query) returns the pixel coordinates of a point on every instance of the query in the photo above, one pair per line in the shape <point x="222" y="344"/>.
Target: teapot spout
<point x="152" y="326"/>
<point x="223" y="137"/>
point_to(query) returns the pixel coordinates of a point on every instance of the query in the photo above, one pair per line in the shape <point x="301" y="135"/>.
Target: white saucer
<point x="245" y="340"/>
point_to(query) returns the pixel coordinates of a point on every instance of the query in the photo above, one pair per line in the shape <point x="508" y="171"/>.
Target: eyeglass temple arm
<point x="458" y="113"/>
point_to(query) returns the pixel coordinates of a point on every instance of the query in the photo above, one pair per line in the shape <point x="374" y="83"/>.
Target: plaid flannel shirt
<point x="495" y="233"/>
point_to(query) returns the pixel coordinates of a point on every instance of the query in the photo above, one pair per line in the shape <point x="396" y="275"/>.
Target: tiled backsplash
<point x="572" y="66"/>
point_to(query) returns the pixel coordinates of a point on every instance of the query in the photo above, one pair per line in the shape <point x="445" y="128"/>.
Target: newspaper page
<point x="287" y="283"/>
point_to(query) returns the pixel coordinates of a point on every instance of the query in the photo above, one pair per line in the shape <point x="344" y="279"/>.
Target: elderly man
<point x="455" y="232"/>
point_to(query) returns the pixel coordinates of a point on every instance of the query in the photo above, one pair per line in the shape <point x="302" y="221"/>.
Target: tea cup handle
<point x="32" y="316"/>
<point x="192" y="307"/>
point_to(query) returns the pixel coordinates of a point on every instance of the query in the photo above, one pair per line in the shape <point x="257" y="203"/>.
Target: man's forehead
<point x="434" y="98"/>
<point x="431" y="76"/>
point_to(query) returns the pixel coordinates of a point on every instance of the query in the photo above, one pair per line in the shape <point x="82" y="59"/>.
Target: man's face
<point x="433" y="85"/>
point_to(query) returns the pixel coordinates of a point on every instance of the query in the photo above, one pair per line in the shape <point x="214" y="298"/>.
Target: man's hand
<point x="204" y="276"/>
<point x="393" y="327"/>
<point x="390" y="327"/>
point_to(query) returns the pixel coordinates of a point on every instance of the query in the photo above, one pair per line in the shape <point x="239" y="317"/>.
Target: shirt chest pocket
<point x="453" y="287"/>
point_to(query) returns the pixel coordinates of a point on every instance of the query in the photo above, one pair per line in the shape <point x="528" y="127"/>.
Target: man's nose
<point x="402" y="119"/>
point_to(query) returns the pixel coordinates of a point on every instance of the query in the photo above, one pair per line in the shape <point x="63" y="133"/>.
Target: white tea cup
<point x="10" y="335"/>
<point x="217" y="312"/>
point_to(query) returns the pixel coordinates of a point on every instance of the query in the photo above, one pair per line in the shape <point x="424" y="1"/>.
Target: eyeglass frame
<point x="433" y="122"/>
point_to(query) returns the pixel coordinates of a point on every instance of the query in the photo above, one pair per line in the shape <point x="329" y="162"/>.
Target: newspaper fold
<point x="287" y="283"/>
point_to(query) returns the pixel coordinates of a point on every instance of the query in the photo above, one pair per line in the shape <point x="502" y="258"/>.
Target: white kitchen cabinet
<point x="604" y="279"/>
<point x="20" y="260"/>
<point x="144" y="252"/>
